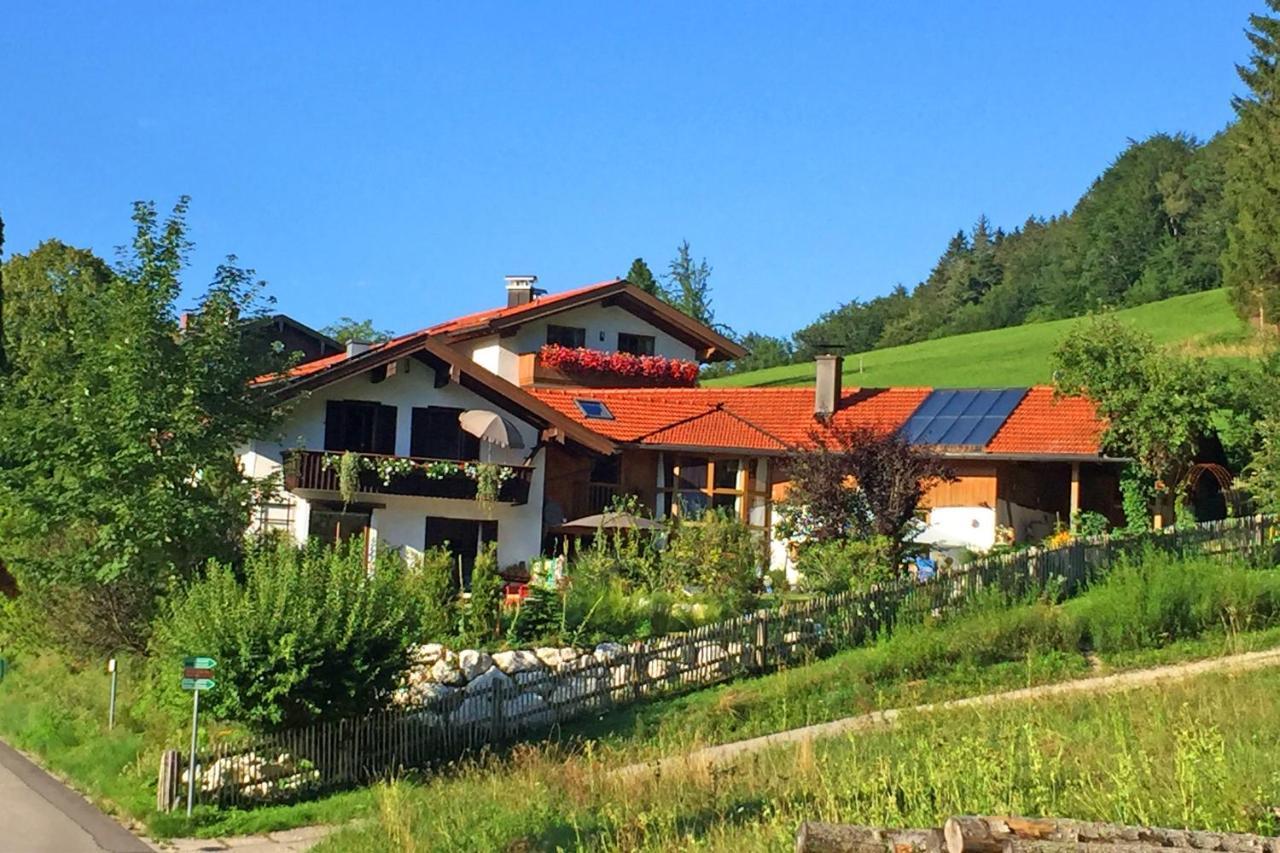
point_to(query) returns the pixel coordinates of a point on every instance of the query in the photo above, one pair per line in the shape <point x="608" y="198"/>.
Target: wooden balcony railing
<point x="317" y="470"/>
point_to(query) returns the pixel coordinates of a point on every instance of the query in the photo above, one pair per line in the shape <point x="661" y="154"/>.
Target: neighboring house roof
<point x="777" y="420"/>
<point x="450" y="365"/>
<point x="1044" y="423"/>
<point x="709" y="344"/>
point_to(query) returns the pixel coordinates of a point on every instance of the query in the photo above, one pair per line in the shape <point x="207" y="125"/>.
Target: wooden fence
<point x="296" y="763"/>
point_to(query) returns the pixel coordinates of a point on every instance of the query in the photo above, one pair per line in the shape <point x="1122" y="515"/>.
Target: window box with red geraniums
<point x="658" y="369"/>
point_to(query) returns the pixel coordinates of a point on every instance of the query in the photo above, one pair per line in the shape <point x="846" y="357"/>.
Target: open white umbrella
<point x="491" y="427"/>
<point x="609" y="521"/>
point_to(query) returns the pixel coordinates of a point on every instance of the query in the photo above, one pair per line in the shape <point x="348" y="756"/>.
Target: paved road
<point x="38" y="814"/>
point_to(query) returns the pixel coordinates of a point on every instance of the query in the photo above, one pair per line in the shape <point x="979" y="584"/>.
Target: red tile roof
<point x="779" y="419"/>
<point x="479" y="318"/>
<point x="730" y="418"/>
<point x="1045" y="424"/>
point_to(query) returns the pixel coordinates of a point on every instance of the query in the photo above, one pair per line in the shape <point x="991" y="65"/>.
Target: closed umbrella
<point x="491" y="427"/>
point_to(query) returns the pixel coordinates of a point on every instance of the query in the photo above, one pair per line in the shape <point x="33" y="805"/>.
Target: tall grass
<point x="1199" y="754"/>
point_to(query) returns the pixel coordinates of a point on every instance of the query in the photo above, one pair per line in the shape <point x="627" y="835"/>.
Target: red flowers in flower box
<point x="656" y="368"/>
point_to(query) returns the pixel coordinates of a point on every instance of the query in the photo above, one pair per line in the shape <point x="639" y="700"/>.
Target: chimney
<point x="520" y="289"/>
<point x="826" y="393"/>
<point x="354" y="348"/>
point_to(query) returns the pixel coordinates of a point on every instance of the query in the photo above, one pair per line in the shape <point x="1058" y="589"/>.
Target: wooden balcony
<point x="306" y="470"/>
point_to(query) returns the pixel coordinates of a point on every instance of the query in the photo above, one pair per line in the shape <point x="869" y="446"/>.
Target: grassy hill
<point x="1199" y="322"/>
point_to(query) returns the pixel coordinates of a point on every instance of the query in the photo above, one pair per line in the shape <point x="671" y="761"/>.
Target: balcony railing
<point x="317" y="470"/>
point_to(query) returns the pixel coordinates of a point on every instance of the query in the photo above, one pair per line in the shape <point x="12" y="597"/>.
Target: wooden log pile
<point x="972" y="834"/>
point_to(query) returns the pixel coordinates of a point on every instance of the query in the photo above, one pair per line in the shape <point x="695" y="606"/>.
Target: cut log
<point x="969" y="834"/>
<point x="816" y="837"/>
<point x="1018" y="845"/>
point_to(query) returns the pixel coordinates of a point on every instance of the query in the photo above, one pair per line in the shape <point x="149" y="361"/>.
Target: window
<point x="360" y="425"/>
<point x="566" y="336"/>
<point x="463" y="538"/>
<point x="603" y="486"/>
<point x="695" y="484"/>
<point x="594" y="409"/>
<point x="333" y="524"/>
<point x="436" y="434"/>
<point x="635" y="344"/>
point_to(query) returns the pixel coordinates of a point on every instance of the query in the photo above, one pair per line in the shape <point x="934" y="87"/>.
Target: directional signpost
<point x="197" y="675"/>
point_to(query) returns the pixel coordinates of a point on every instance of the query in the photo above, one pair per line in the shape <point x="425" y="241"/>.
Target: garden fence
<point x="292" y="764"/>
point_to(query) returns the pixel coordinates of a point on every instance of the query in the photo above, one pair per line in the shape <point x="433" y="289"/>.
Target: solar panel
<point x="594" y="409"/>
<point x="961" y="416"/>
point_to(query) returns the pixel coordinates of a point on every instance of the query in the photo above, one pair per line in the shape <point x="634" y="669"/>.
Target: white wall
<point x="972" y="527"/>
<point x="498" y="354"/>
<point x="402" y="522"/>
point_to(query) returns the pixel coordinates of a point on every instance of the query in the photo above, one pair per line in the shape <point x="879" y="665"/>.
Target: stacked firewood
<point x="968" y="834"/>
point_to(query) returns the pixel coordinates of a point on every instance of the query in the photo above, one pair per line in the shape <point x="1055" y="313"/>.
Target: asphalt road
<point x="38" y="814"/>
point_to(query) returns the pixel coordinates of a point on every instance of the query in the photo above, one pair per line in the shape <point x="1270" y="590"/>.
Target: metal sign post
<point x="111" y="705"/>
<point x="197" y="675"/>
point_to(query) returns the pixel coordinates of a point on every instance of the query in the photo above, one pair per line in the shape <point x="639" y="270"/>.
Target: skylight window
<point x="594" y="409"/>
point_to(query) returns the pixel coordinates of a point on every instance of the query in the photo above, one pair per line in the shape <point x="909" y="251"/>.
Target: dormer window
<point x="635" y="344"/>
<point x="594" y="409"/>
<point x="566" y="336"/>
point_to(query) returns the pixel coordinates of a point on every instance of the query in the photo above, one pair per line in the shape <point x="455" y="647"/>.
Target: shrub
<point x="433" y="571"/>
<point x="1158" y="598"/>
<point x="720" y="554"/>
<point x="299" y="635"/>
<point x="481" y="613"/>
<point x="837" y="565"/>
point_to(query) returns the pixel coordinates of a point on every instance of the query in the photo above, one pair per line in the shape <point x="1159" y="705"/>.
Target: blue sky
<point x="394" y="161"/>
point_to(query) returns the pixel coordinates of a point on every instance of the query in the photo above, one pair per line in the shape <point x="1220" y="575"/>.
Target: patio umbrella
<point x="609" y="521"/>
<point x="491" y="427"/>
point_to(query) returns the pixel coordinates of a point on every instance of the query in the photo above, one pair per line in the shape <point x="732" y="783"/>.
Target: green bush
<point x="837" y="565"/>
<point x="719" y="553"/>
<point x="299" y="634"/>
<point x="434" y="573"/>
<point x="480" y="617"/>
<point x="1158" y="598"/>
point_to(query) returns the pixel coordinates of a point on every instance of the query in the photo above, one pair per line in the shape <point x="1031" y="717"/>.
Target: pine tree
<point x="642" y="277"/>
<point x="1251" y="262"/>
<point x="688" y="285"/>
<point x="2" y="361"/>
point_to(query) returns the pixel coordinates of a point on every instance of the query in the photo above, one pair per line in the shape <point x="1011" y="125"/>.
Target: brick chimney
<point x="520" y="290"/>
<point x="827" y="390"/>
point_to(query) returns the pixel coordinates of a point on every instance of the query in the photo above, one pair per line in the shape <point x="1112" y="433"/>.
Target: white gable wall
<point x="402" y="522"/>
<point x="602" y="324"/>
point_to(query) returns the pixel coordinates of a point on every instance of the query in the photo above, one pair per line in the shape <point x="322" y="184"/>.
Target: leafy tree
<point x="762" y="351"/>
<point x="642" y="277"/>
<point x="118" y="429"/>
<point x="346" y="329"/>
<point x="1159" y="407"/>
<point x="1251" y="263"/>
<point x="689" y="286"/>
<point x="861" y="483"/>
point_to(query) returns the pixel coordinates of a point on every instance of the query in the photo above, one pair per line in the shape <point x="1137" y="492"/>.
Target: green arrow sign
<point x="198" y="683"/>
<point x="199" y="663"/>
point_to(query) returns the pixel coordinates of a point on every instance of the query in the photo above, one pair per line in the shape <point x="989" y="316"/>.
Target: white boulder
<point x="521" y="660"/>
<point x="609" y="652"/>
<point x="472" y="662"/>
<point x="477" y="709"/>
<point x="528" y="709"/>
<point x="487" y="681"/>
<point x="446" y="671"/>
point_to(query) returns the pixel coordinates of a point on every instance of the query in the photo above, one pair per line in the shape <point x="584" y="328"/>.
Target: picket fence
<point x="297" y="763"/>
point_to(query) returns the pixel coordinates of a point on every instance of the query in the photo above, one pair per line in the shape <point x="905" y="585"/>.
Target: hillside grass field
<point x="1203" y="323"/>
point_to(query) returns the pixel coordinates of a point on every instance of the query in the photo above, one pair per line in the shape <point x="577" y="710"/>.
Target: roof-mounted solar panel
<point x="961" y="416"/>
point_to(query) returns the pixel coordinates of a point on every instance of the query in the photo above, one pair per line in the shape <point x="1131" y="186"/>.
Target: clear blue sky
<point x="395" y="161"/>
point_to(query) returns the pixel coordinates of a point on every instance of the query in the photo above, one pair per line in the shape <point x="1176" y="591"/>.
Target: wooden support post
<point x="1075" y="494"/>
<point x="167" y="782"/>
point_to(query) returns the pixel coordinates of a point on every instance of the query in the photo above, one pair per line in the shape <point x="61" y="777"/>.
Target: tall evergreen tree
<point x="1251" y="262"/>
<point x="2" y="361"/>
<point x="642" y="277"/>
<point x="689" y="285"/>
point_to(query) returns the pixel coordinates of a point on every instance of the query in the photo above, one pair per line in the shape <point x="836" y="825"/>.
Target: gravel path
<point x="724" y="753"/>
